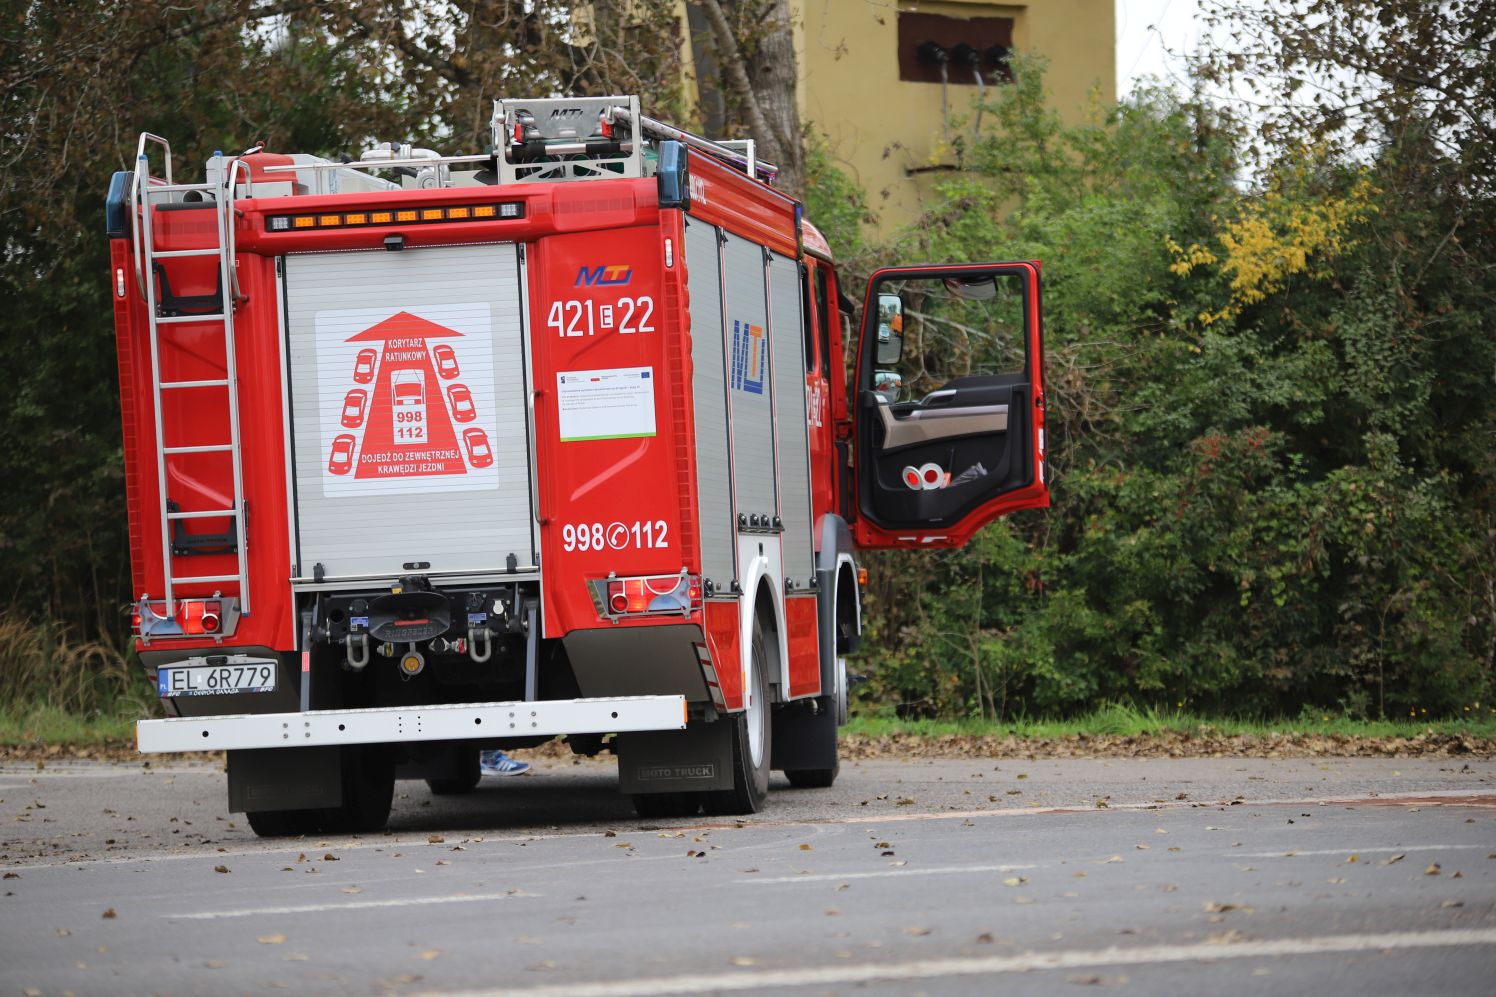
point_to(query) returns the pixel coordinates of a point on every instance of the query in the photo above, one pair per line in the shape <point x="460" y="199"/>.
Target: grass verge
<point x="45" y="725"/>
<point x="1123" y="721"/>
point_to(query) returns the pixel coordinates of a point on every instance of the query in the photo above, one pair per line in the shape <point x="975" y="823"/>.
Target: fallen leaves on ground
<point x="1200" y="742"/>
<point x="1432" y="870"/>
<point x="109" y="914"/>
<point x="221" y="868"/>
<point x="276" y="939"/>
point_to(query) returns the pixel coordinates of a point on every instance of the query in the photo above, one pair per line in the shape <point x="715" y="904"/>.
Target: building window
<point x="964" y="45"/>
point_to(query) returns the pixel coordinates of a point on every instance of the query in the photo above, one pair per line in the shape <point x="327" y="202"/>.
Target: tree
<point x="78" y="82"/>
<point x="756" y="55"/>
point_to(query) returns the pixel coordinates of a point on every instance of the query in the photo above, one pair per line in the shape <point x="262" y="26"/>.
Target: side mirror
<point x="890" y="329"/>
<point x="888" y="385"/>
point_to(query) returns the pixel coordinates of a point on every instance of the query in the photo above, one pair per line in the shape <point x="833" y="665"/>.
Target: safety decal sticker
<point x="613" y="404"/>
<point x="406" y="398"/>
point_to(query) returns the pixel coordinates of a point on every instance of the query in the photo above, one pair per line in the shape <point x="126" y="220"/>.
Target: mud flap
<point x="672" y="761"/>
<point x="802" y="739"/>
<point x="285" y="779"/>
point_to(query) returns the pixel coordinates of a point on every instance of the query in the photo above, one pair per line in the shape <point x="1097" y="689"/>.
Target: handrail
<point x="758" y="169"/>
<point x="229" y="244"/>
<point x="165" y="145"/>
<point x="379" y="164"/>
<point x="142" y="162"/>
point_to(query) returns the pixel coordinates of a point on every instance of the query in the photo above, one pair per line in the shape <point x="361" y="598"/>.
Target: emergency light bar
<point x="396" y="216"/>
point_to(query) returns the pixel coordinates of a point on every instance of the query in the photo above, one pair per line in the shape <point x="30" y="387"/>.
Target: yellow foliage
<point x="1275" y="237"/>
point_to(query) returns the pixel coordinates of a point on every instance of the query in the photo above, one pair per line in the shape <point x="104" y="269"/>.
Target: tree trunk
<point x="758" y="67"/>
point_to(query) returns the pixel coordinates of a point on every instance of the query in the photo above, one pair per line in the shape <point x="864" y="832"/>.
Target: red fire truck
<point x="427" y="454"/>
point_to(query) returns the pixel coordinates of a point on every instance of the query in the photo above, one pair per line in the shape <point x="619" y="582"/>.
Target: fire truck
<point x="582" y="437"/>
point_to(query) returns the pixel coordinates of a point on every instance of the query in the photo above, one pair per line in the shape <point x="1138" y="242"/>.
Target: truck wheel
<point x="752" y="741"/>
<point x="462" y="782"/>
<point x="650" y="805"/>
<point x="283" y="823"/>
<point x="368" y="790"/>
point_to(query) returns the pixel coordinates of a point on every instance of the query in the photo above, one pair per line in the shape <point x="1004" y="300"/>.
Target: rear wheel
<point x="368" y="790"/>
<point x="752" y="741"/>
<point x="283" y="823"/>
<point x="464" y="780"/>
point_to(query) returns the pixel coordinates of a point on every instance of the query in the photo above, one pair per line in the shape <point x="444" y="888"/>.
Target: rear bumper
<point x="464" y="721"/>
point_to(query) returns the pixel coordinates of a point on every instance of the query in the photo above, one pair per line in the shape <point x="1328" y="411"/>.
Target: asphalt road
<point x="1224" y="876"/>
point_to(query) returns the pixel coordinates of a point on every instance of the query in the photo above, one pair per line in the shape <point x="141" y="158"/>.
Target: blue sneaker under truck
<point x="497" y="763"/>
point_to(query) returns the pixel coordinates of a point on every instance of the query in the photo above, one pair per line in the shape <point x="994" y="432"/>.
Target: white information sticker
<point x="614" y="404"/>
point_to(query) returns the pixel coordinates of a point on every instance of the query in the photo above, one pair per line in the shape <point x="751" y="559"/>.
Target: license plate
<point x="238" y="673"/>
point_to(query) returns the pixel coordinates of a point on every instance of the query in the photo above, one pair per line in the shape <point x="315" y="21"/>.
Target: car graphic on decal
<point x="408" y="388"/>
<point x="353" y="408"/>
<point x="446" y="361"/>
<point x="341" y="461"/>
<point x="363" y="366"/>
<point x="462" y="403"/>
<point x="476" y="441"/>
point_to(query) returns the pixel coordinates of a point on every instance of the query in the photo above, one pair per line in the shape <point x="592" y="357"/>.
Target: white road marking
<point x="925" y="969"/>
<point x="1295" y="853"/>
<point x="936" y="870"/>
<point x="213" y="915"/>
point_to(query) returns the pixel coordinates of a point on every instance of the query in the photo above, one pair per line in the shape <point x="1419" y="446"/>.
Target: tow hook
<point x="358" y="660"/>
<point x="479" y="635"/>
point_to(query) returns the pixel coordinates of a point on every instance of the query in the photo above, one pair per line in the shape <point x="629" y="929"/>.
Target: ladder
<point x="146" y="193"/>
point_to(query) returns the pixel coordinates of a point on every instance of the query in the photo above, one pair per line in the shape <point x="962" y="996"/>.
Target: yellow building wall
<point x="878" y="127"/>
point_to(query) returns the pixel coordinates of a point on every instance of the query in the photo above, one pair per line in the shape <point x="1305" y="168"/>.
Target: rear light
<point x="192" y="618"/>
<point x="645" y="595"/>
<point x="200" y="616"/>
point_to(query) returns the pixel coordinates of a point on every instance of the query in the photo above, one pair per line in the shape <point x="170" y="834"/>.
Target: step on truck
<point x="582" y="437"/>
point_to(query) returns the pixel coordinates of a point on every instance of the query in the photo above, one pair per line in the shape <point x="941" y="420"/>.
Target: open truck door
<point x="949" y="396"/>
